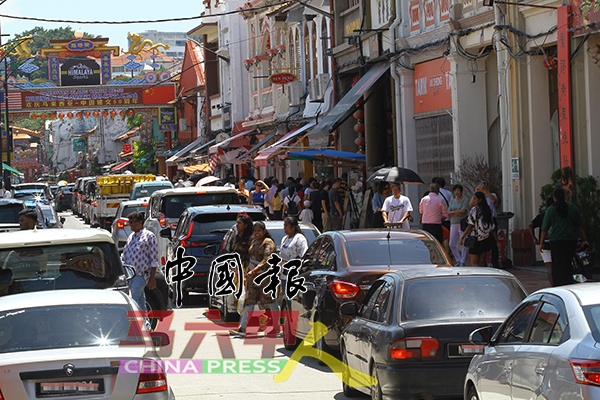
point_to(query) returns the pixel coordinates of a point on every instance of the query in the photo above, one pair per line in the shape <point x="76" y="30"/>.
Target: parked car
<point x="49" y="259"/>
<point x="87" y="203"/>
<point x="341" y="266"/>
<point x="548" y="347"/>
<point x="200" y="231"/>
<point x="69" y="343"/>
<point x="79" y="194"/>
<point x="120" y="226"/>
<point x="166" y="206"/>
<point x="145" y="189"/>
<point x="53" y="189"/>
<point x="411" y="332"/>
<point x="31" y="196"/>
<point x="35" y="186"/>
<point x="228" y="304"/>
<point x="9" y="214"/>
<point x="63" y="198"/>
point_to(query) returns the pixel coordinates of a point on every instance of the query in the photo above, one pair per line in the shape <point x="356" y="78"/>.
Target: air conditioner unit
<point x="183" y="126"/>
<point x="313" y="89"/>
<point x="324" y="84"/>
<point x="295" y="93"/>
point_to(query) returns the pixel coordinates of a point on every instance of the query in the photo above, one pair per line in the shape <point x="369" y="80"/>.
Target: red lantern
<point x="33" y="116"/>
<point x="43" y="116"/>
<point x="359" y="114"/>
<point x="359" y="141"/>
<point x="130" y="113"/>
<point x="79" y="115"/>
<point x="87" y="114"/>
<point x="96" y="114"/>
<point x="359" y="127"/>
<point x="105" y="113"/>
<point x="113" y="113"/>
<point x="70" y="115"/>
<point x="361" y="151"/>
<point x="61" y="115"/>
<point x="122" y="113"/>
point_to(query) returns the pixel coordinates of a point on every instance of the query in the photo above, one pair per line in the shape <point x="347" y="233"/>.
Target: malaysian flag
<point x="14" y="100"/>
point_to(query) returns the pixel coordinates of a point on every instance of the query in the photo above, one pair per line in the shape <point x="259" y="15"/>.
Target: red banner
<point x="564" y="89"/>
<point x="432" y="86"/>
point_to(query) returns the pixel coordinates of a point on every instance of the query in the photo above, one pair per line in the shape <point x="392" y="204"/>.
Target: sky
<point x="101" y="10"/>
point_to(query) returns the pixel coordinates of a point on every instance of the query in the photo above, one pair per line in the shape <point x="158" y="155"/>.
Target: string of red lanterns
<point x="359" y="128"/>
<point x="80" y="114"/>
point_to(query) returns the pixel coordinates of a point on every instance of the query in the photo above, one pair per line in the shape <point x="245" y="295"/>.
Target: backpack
<point x="292" y="208"/>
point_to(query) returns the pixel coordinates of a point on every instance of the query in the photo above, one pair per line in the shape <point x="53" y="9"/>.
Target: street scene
<point x="346" y="199"/>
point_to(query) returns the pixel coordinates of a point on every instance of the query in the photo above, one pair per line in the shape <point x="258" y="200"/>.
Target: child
<point x="306" y="215"/>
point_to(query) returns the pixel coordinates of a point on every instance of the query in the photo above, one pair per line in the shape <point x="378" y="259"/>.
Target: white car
<point x="66" y="343"/>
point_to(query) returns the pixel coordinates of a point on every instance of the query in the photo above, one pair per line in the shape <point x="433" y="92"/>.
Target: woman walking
<point x="257" y="196"/>
<point x="277" y="205"/>
<point x="480" y="219"/>
<point x="243" y="193"/>
<point x="383" y="190"/>
<point x="459" y="208"/>
<point x="293" y="244"/>
<point x="260" y="250"/>
<point x="242" y="241"/>
<point x="565" y="224"/>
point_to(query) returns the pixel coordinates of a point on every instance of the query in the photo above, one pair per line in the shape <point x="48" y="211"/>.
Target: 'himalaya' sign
<point x="80" y="72"/>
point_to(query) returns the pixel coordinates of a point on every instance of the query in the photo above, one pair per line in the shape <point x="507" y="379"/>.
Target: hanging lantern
<point x="79" y="114"/>
<point x="87" y="114"/>
<point x="359" y="141"/>
<point x="359" y="127"/>
<point x="33" y="116"/>
<point x="105" y="113"/>
<point x="122" y="113"/>
<point x="96" y="114"/>
<point x="52" y="115"/>
<point x="361" y="151"/>
<point x="113" y="113"/>
<point x="359" y="114"/>
<point x="43" y="116"/>
<point x="130" y="113"/>
<point x="61" y="115"/>
<point x="70" y="115"/>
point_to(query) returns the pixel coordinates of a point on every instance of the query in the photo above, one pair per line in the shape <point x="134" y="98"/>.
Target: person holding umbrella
<point x="396" y="208"/>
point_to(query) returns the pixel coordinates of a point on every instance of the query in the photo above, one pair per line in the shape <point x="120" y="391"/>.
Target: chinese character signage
<point x="564" y="88"/>
<point x="80" y="72"/>
<point x="146" y="131"/>
<point x="106" y="69"/>
<point x="167" y="119"/>
<point x="433" y="89"/>
<point x="415" y="12"/>
<point x="54" y="69"/>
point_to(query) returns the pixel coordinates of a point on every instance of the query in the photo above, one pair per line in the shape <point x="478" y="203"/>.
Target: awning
<point x="109" y="166"/>
<point x="195" y="169"/>
<point x="263" y="157"/>
<point x="127" y="134"/>
<point x="183" y="152"/>
<point x="147" y="156"/>
<point x="334" y="155"/>
<point x="225" y="143"/>
<point x="258" y="145"/>
<point x="347" y="106"/>
<point x="14" y="171"/>
<point x="173" y="150"/>
<point x="121" y="166"/>
<point x="204" y="146"/>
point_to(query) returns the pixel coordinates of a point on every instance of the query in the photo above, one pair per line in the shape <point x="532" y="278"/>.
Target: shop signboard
<point x="167" y="119"/>
<point x="80" y="72"/>
<point x="79" y="144"/>
<point x="433" y="86"/>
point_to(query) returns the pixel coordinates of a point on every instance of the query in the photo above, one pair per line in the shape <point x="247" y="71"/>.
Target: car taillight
<point x="95" y="204"/>
<point x="122" y="223"/>
<point x="586" y="371"/>
<point x="152" y="382"/>
<point x="162" y="220"/>
<point x="344" y="290"/>
<point x="144" y="204"/>
<point x="62" y="195"/>
<point x="414" y="348"/>
<point x="1" y="398"/>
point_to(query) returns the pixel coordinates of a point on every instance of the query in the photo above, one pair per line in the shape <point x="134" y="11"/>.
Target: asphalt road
<point x="307" y="380"/>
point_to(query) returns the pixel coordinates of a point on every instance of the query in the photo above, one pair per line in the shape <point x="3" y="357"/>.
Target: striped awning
<point x="195" y="169"/>
<point x="121" y="166"/>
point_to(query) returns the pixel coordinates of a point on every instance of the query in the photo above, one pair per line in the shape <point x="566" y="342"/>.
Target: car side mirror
<point x="210" y="250"/>
<point x="62" y="220"/>
<point x="349" y="308"/>
<point x="129" y="272"/>
<point x="47" y="221"/>
<point x="481" y="336"/>
<point x="165" y="233"/>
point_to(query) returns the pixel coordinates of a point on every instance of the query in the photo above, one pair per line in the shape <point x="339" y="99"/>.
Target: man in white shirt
<point x="397" y="208"/>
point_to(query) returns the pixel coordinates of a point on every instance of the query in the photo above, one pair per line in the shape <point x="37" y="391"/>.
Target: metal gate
<point x="435" y="148"/>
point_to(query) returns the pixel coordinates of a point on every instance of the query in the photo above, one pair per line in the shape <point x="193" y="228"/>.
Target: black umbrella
<point x="395" y="174"/>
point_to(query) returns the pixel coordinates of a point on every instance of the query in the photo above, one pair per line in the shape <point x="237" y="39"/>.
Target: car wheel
<point x="153" y="303"/>
<point x="226" y="316"/>
<point x="472" y="394"/>
<point x="375" y="389"/>
<point x="348" y="391"/>
<point x="290" y="340"/>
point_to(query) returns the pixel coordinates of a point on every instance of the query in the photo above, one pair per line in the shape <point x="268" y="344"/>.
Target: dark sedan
<point x="200" y="231"/>
<point x="412" y="331"/>
<point x="341" y="266"/>
<point x="63" y="198"/>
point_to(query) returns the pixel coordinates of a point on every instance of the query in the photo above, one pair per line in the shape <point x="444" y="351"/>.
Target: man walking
<point x="335" y="204"/>
<point x="433" y="211"/>
<point x="396" y="208"/>
<point x="141" y="252"/>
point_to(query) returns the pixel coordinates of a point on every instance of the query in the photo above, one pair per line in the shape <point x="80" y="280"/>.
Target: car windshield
<point x="209" y="224"/>
<point x="377" y="252"/>
<point x="129" y="209"/>
<point x="10" y="213"/>
<point x="146" y="191"/>
<point x="460" y="297"/>
<point x="66" y="266"/>
<point x="66" y="190"/>
<point x="174" y="206"/>
<point x="64" y="326"/>
<point x="48" y="214"/>
<point x="29" y="195"/>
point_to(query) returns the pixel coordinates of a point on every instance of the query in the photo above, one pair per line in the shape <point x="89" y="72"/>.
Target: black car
<point x="200" y="231"/>
<point x="9" y="214"/>
<point x="412" y="331"/>
<point x="63" y="198"/>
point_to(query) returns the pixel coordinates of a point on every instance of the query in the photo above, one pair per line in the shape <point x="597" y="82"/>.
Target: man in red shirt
<point x="433" y="211"/>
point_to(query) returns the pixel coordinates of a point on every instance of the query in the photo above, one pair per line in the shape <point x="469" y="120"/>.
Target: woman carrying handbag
<point x="481" y="222"/>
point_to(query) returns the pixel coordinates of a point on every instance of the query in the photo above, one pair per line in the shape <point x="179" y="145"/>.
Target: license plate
<point x="69" y="388"/>
<point x="470" y="349"/>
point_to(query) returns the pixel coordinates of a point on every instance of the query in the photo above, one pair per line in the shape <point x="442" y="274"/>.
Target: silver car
<point x="70" y="343"/>
<point x="120" y="226"/>
<point x="549" y="347"/>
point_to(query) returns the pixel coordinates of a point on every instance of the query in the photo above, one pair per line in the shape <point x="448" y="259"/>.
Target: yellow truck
<point x="111" y="190"/>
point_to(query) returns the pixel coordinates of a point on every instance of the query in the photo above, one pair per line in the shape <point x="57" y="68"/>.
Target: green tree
<point x="140" y="150"/>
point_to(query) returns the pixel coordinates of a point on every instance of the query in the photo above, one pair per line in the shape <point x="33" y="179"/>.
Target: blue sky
<point x="101" y="10"/>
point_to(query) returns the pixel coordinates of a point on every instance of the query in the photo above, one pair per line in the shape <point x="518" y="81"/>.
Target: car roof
<point x="439" y="272"/>
<point x="154" y="183"/>
<point x="51" y="237"/>
<point x="193" y="189"/>
<point x="225" y="209"/>
<point x="586" y="293"/>
<point x="4" y="202"/>
<point x="373" y="234"/>
<point x="62" y="297"/>
<point x="136" y="202"/>
<point x="32" y="184"/>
